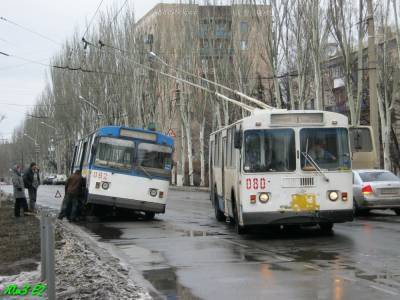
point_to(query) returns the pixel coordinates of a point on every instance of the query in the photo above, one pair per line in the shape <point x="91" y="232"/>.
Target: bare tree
<point x="340" y="13"/>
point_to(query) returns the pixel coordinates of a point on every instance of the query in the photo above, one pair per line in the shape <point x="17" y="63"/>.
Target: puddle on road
<point x="308" y="255"/>
<point x="166" y="282"/>
<point x="197" y="233"/>
<point x="104" y="232"/>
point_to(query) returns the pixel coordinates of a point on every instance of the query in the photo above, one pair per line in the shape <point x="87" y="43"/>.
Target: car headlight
<point x="153" y="192"/>
<point x="333" y="195"/>
<point x="263" y="197"/>
<point x="105" y="185"/>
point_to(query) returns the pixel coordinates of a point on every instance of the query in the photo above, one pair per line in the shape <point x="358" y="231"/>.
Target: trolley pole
<point x="373" y="99"/>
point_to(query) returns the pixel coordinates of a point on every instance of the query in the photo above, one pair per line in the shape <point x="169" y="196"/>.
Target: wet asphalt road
<point x="187" y="254"/>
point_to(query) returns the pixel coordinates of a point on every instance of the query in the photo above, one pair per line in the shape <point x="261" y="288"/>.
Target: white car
<point x="60" y="179"/>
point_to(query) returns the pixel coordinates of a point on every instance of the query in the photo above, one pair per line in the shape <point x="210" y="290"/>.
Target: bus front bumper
<point x="298" y="218"/>
<point x="133" y="204"/>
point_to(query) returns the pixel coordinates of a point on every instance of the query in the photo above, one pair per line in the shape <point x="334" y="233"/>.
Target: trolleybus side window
<point x="115" y="154"/>
<point x="217" y="149"/>
<point x="228" y="149"/>
<point x="269" y="150"/>
<point x="326" y="147"/>
<point x="233" y="152"/>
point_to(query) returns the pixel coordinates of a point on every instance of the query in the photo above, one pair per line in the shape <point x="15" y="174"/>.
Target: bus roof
<point x="115" y="131"/>
<point x="291" y="118"/>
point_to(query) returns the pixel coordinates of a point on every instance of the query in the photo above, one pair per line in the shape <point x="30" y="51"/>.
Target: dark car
<point x="376" y="189"/>
<point x="48" y="179"/>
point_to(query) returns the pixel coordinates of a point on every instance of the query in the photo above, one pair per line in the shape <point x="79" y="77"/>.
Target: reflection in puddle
<point x="307" y="255"/>
<point x="166" y="282"/>
<point x="104" y="232"/>
<point x="197" y="233"/>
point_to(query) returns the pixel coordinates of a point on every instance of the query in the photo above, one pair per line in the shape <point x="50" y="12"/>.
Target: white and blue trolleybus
<point x="125" y="168"/>
<point x="283" y="168"/>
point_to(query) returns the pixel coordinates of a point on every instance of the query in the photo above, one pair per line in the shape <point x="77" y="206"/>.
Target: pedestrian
<point x="19" y="191"/>
<point x="74" y="188"/>
<point x="32" y="182"/>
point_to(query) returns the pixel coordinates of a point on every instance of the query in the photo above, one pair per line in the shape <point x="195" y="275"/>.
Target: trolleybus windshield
<point x="270" y="150"/>
<point x="327" y="147"/>
<point x="155" y="159"/>
<point x="115" y="154"/>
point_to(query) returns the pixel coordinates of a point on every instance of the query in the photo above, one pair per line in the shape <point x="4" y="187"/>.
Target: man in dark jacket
<point x="74" y="188"/>
<point x="32" y="182"/>
<point x="19" y="191"/>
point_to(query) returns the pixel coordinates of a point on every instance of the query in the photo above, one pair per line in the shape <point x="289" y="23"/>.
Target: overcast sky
<point x="22" y="82"/>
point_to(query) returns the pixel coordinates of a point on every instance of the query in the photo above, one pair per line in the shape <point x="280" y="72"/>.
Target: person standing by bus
<point x="32" y="182"/>
<point x="19" y="191"/>
<point x="74" y="188"/>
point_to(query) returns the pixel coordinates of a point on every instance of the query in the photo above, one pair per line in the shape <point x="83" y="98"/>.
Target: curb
<point x="189" y="188"/>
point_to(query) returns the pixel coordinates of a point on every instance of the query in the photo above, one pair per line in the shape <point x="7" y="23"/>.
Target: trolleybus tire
<point x="149" y="215"/>
<point x="326" y="227"/>
<point x="219" y="215"/>
<point x="238" y="228"/>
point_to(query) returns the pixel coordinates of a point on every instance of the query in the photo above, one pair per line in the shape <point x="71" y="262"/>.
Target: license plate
<point x="390" y="191"/>
<point x="304" y="202"/>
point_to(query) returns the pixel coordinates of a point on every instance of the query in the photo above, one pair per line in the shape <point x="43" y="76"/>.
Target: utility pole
<point x="373" y="100"/>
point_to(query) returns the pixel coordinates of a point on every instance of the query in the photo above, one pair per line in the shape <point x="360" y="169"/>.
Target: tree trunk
<point x="202" y="158"/>
<point x="189" y="150"/>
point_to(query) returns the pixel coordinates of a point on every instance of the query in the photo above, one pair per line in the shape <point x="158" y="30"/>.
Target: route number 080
<point x="255" y="183"/>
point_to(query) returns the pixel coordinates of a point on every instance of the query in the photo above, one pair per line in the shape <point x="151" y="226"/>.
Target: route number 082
<point x="255" y="183"/>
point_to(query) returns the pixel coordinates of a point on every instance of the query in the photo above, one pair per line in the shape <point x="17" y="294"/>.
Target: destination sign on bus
<point x="289" y="119"/>
<point x="138" y="135"/>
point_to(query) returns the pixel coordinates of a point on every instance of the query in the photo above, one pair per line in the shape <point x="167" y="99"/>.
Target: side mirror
<point x="238" y="139"/>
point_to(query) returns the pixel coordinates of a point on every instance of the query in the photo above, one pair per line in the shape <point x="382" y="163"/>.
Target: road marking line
<point x="348" y="278"/>
<point x="283" y="258"/>
<point x="312" y="267"/>
<point x="384" y="290"/>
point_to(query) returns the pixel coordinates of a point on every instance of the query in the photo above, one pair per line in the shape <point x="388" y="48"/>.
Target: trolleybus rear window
<point x="115" y="154"/>
<point x="269" y="151"/>
<point x="326" y="148"/>
<point x="156" y="158"/>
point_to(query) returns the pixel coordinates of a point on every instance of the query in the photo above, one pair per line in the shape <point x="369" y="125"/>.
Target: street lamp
<point x="58" y="157"/>
<point x="31" y="138"/>
<point x="36" y="146"/>
<point x="48" y="125"/>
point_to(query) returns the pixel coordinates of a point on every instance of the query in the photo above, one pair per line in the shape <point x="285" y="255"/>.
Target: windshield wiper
<point x="315" y="165"/>
<point x="146" y="172"/>
<point x="313" y="162"/>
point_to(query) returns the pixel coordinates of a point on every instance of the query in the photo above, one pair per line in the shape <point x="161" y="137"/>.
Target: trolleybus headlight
<point x="263" y="197"/>
<point x="333" y="195"/>
<point x="153" y="192"/>
<point x="105" y="185"/>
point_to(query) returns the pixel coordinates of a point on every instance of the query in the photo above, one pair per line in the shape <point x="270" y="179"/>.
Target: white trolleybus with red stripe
<point x="280" y="167"/>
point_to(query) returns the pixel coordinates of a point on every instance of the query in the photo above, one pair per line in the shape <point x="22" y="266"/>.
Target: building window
<point x="243" y="45"/>
<point x="244" y="27"/>
<point x="220" y="30"/>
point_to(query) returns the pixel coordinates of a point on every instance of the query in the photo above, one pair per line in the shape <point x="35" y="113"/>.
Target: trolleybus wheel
<point x="326" y="227"/>
<point x="148" y="215"/>
<point x="219" y="215"/>
<point x="238" y="228"/>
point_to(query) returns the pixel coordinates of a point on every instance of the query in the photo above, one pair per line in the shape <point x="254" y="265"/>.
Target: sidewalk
<point x="189" y="188"/>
